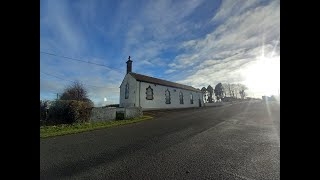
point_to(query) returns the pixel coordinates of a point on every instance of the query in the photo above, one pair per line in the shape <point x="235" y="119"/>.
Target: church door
<point x="199" y="103"/>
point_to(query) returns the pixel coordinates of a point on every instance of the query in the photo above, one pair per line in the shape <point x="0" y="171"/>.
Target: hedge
<point x="43" y="112"/>
<point x="68" y="112"/>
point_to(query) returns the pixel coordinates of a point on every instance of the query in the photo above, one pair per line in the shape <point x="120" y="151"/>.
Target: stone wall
<point x="132" y="112"/>
<point x="103" y="114"/>
<point x="109" y="113"/>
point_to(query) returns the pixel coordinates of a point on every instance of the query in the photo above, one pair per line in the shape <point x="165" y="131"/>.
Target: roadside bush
<point x="68" y="112"/>
<point x="43" y="110"/>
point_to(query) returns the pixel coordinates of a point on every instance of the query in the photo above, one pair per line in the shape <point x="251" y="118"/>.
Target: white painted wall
<point x="159" y="101"/>
<point x="131" y="101"/>
<point x="137" y="96"/>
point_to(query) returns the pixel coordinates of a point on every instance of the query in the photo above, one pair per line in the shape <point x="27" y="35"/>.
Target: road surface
<point x="239" y="141"/>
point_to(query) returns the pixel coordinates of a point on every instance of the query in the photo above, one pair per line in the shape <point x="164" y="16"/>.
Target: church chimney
<point x="129" y="65"/>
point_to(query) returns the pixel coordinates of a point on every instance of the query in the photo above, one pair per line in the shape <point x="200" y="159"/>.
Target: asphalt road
<point x="240" y="141"/>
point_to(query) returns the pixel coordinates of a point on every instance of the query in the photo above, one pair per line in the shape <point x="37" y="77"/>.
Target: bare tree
<point x="236" y="90"/>
<point x="230" y="90"/>
<point x="242" y="89"/>
<point x="76" y="91"/>
<point x="224" y="85"/>
<point x="227" y="89"/>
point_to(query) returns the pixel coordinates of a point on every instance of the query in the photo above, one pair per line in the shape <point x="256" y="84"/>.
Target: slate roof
<point x="144" y="78"/>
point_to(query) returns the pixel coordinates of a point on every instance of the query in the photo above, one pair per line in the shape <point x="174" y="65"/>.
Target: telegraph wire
<point x="71" y="80"/>
<point x="83" y="61"/>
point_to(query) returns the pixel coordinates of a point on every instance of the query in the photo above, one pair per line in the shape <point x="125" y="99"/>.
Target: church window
<point x="191" y="98"/>
<point x="168" y="98"/>
<point x="149" y="93"/>
<point x="126" y="96"/>
<point x="181" y="97"/>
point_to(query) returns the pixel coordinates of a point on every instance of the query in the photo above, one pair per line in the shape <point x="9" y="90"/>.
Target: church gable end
<point x="128" y="92"/>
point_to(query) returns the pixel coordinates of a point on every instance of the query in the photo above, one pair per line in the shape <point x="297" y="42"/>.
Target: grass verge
<point x="59" y="130"/>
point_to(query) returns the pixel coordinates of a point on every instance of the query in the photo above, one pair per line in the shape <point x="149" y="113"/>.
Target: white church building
<point x="137" y="90"/>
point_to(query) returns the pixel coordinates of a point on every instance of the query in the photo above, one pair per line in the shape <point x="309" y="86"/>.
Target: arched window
<point x="181" y="97"/>
<point x="149" y="93"/>
<point x="126" y="94"/>
<point x="168" y="98"/>
<point x="191" y="98"/>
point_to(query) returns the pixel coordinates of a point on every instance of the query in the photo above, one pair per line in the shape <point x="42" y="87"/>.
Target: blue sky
<point x="194" y="42"/>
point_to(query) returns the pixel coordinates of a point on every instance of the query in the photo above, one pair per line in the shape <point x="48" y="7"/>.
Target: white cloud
<point x="219" y="56"/>
<point x="229" y="7"/>
<point x="169" y="71"/>
<point x="62" y="28"/>
<point x="51" y="85"/>
<point x="156" y="28"/>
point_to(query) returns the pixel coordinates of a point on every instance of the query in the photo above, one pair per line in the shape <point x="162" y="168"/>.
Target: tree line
<point x="224" y="92"/>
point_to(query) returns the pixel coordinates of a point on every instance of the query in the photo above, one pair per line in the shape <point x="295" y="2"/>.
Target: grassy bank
<point x="50" y="131"/>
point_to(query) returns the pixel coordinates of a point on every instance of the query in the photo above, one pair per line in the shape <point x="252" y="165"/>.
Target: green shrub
<point x="43" y="110"/>
<point x="68" y="112"/>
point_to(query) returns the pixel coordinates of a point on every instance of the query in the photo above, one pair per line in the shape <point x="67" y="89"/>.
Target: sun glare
<point x="263" y="76"/>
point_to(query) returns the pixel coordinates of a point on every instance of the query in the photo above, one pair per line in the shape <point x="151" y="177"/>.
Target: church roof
<point x="144" y="78"/>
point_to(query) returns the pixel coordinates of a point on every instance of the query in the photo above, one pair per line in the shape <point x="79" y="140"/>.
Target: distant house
<point x="137" y="90"/>
<point x="268" y="98"/>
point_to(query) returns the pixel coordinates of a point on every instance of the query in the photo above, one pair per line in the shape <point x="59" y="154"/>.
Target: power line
<point x="57" y="77"/>
<point x="70" y="80"/>
<point x="83" y="61"/>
